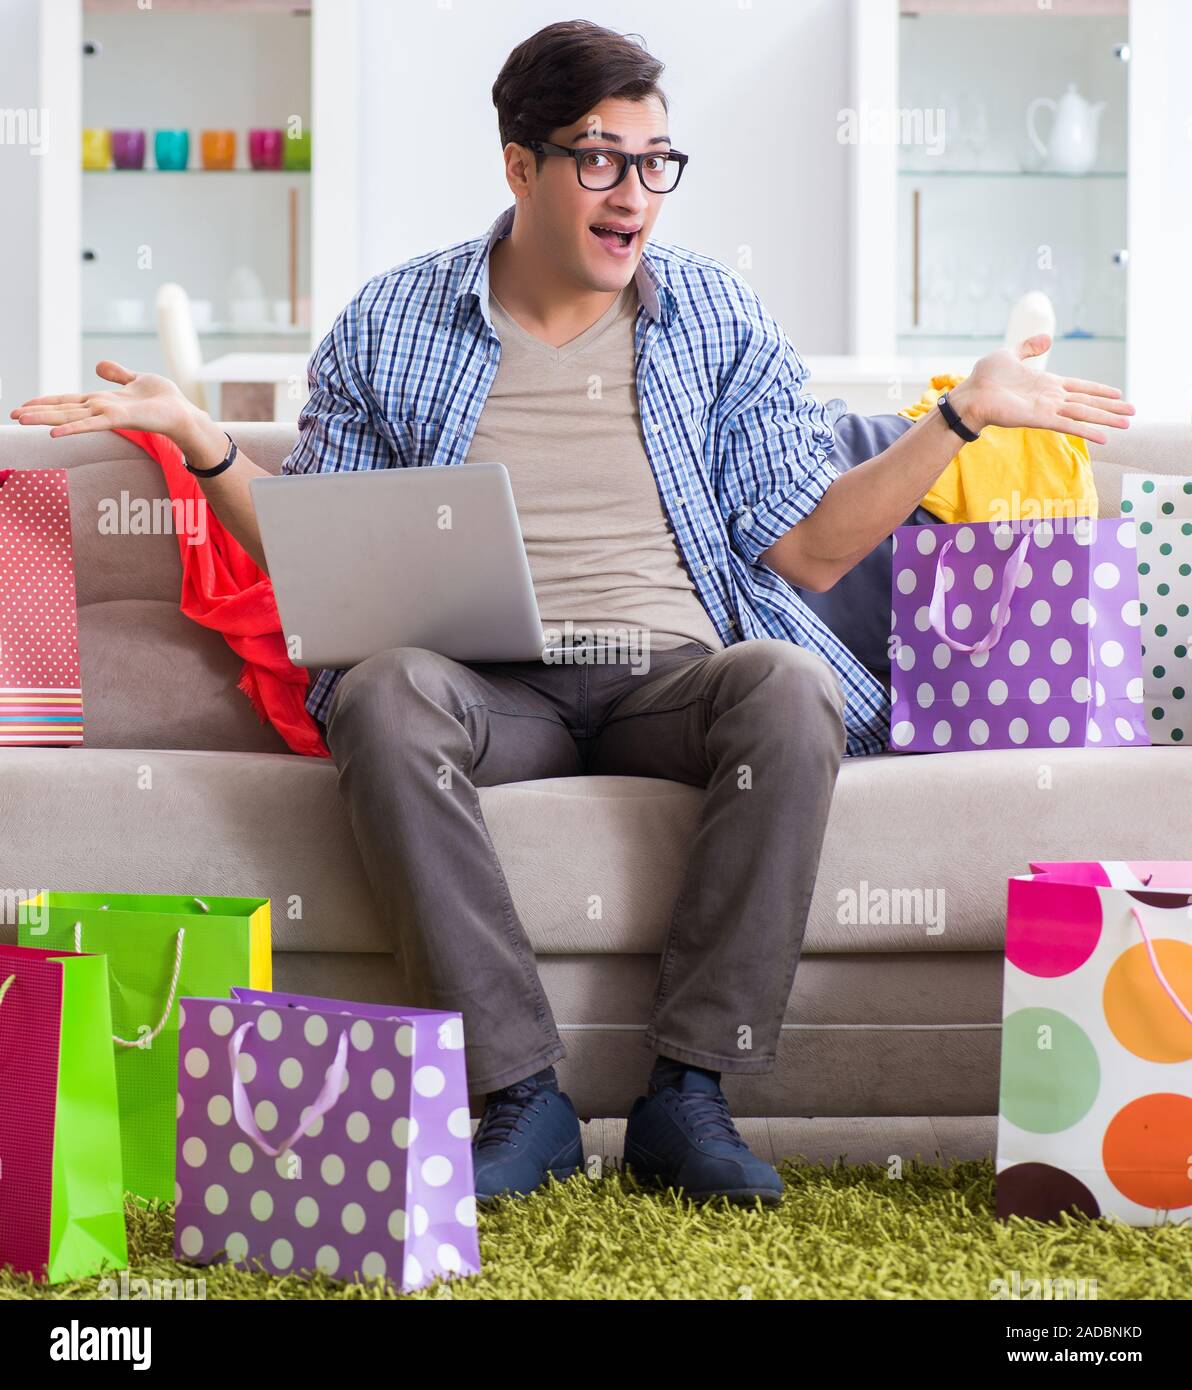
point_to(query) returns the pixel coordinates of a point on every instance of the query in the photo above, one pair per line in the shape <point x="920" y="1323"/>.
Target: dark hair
<point x="560" y="73"/>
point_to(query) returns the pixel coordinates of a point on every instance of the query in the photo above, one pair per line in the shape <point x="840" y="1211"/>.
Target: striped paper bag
<point x="41" y="698"/>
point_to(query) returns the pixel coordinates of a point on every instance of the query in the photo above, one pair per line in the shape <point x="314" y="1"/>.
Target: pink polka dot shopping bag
<point x="41" y="697"/>
<point x="1095" y="1114"/>
<point x="316" y="1135"/>
<point x="1016" y="634"/>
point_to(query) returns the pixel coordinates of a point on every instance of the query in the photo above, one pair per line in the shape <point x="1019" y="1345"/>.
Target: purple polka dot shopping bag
<point x="320" y="1135"/>
<point x="1016" y="634"/>
<point x="1095" y="1111"/>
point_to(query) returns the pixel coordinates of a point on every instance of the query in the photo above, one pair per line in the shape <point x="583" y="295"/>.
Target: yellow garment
<point x="1010" y="474"/>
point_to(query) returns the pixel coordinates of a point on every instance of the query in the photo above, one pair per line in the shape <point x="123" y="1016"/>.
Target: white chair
<point x="180" y="342"/>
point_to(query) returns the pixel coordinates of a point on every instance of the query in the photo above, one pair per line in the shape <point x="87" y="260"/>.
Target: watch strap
<point x="228" y="459"/>
<point x="949" y="412"/>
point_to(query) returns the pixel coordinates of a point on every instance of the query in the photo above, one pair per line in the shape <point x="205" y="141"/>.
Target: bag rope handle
<point x="327" y="1097"/>
<point x="936" y="609"/>
<point x="4" y="988"/>
<point x="161" y="1023"/>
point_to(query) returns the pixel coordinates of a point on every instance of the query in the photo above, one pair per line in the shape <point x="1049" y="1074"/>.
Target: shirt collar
<point x="656" y="296"/>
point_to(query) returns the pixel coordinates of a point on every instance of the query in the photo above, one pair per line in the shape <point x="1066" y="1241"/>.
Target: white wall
<point x="336" y="112"/>
<point x="754" y="89"/>
<point x="1159" y="306"/>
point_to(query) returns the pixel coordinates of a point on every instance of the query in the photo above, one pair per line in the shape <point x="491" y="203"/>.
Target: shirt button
<point x="707" y="569"/>
<point x="657" y="426"/>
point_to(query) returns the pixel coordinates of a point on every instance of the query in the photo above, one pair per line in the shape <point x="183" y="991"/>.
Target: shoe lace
<point x="504" y="1117"/>
<point x="708" y="1117"/>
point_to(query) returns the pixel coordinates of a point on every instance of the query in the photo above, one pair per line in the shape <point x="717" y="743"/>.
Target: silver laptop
<point x="399" y="557"/>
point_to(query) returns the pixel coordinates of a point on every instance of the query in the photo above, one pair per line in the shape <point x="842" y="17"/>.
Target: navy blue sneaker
<point x="681" y="1135"/>
<point x="528" y="1130"/>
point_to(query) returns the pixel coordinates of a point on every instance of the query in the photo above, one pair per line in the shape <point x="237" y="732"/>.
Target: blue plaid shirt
<point x="738" y="452"/>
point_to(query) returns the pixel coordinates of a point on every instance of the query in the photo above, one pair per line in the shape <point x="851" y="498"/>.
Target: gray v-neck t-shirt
<point x="564" y="422"/>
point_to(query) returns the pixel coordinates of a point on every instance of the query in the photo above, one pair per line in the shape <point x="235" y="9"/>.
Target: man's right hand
<point x="141" y="401"/>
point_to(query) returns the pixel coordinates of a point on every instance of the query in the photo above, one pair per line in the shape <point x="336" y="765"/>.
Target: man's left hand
<point x="1003" y="389"/>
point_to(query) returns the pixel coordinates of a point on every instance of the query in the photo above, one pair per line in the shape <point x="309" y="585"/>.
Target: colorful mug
<point x="219" y="149"/>
<point x="264" y="148"/>
<point x="97" y="149"/>
<point x="128" y="149"/>
<point x="296" y="150"/>
<point x="171" y="149"/>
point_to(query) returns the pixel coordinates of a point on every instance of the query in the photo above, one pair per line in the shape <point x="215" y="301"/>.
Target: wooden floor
<point x="933" y="1139"/>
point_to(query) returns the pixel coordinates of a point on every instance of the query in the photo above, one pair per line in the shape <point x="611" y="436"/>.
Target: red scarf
<point x="223" y="588"/>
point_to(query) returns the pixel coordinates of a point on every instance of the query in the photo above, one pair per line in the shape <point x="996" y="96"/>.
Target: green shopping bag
<point x="61" y="1191"/>
<point x="159" y="947"/>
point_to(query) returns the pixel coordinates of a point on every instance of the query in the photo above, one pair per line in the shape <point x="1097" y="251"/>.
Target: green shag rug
<point x="840" y="1232"/>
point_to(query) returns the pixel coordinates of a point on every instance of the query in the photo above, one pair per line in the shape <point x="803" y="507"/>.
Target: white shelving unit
<point x="942" y="245"/>
<point x="194" y="65"/>
<point x="199" y="227"/>
<point x="980" y="220"/>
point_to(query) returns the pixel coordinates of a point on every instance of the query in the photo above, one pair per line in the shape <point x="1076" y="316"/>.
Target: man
<point x="672" y="481"/>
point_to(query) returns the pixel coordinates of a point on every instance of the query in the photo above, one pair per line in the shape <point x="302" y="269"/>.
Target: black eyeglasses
<point x="599" y="170"/>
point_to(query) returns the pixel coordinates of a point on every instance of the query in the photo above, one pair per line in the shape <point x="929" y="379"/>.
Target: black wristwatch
<point x="228" y="459"/>
<point x="948" y="411"/>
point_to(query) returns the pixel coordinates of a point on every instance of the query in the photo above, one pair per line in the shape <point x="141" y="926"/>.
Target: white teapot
<point x="1072" y="145"/>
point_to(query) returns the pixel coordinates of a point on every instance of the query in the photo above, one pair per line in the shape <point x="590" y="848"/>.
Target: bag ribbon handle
<point x="1150" y="950"/>
<point x="936" y="609"/>
<point x="242" y="1109"/>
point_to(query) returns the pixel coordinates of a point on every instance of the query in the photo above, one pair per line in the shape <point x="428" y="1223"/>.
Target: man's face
<point x="564" y="213"/>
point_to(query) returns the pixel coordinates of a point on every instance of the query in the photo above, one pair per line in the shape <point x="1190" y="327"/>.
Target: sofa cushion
<point x="903" y="830"/>
<point x="154" y="679"/>
<point x="1143" y="448"/>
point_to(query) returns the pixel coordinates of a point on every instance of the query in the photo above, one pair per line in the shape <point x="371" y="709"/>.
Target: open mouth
<point x="611" y="236"/>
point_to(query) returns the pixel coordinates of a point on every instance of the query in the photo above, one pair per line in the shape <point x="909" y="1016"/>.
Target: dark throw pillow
<point x="857" y="608"/>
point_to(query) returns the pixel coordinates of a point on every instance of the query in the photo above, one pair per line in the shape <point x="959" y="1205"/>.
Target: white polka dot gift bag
<point x="320" y="1135"/>
<point x="41" y="697"/>
<point x="1016" y="634"/>
<point x="1161" y="508"/>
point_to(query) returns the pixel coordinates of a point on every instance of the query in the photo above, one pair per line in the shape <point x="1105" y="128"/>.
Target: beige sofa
<point x="886" y="1020"/>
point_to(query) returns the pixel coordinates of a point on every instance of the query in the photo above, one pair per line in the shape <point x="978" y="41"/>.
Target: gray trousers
<point x="759" y="724"/>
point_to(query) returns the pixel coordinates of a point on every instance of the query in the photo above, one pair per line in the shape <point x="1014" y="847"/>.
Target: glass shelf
<point x="263" y="173"/>
<point x="918" y="335"/>
<point x="1007" y="174"/>
<point x="265" y="330"/>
